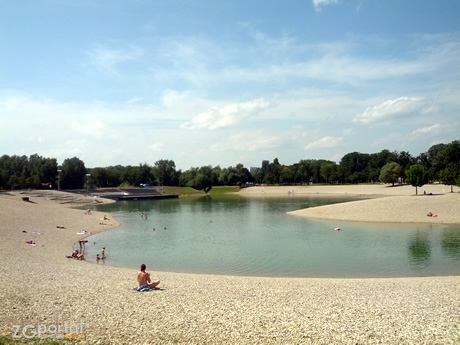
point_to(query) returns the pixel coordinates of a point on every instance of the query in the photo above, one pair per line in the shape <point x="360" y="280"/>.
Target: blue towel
<point x="143" y="288"/>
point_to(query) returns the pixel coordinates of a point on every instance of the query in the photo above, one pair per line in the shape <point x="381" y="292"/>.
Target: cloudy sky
<point x="208" y="82"/>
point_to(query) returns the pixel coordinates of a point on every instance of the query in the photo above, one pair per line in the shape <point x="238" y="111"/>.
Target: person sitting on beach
<point x="143" y="278"/>
<point x="430" y="214"/>
<point x="77" y="255"/>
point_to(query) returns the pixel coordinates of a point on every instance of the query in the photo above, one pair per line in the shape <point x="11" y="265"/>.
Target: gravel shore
<point x="40" y="286"/>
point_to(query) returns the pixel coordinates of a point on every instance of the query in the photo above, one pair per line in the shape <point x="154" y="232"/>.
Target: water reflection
<point x="419" y="249"/>
<point x="450" y="242"/>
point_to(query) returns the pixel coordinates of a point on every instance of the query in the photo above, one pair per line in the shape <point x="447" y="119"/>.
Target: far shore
<point x="398" y="204"/>
<point x="41" y="286"/>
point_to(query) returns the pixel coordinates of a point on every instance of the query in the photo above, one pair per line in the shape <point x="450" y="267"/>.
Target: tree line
<point x="440" y="163"/>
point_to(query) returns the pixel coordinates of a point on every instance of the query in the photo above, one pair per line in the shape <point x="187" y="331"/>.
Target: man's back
<point x="143" y="278"/>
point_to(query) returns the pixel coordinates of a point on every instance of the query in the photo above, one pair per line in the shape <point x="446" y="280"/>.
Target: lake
<point x="234" y="235"/>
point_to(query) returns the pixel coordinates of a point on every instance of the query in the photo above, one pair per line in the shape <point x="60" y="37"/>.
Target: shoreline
<point x="197" y="308"/>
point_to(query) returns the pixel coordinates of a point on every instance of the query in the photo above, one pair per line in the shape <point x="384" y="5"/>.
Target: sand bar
<point x="41" y="286"/>
<point x="385" y="204"/>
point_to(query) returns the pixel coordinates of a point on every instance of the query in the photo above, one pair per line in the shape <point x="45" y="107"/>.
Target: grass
<point x="181" y="191"/>
<point x="224" y="190"/>
<point x="188" y="191"/>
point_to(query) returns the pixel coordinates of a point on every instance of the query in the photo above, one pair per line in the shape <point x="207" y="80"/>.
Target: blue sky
<point x="225" y="82"/>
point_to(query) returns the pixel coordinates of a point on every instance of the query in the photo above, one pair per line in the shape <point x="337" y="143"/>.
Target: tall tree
<point x="405" y="160"/>
<point x="202" y="179"/>
<point x="165" y="172"/>
<point x="417" y="176"/>
<point x="390" y="173"/>
<point x="449" y="175"/>
<point x="328" y="171"/>
<point x="354" y="165"/>
<point x="73" y="173"/>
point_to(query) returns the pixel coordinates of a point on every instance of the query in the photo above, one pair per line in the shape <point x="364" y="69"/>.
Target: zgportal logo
<point x="59" y="331"/>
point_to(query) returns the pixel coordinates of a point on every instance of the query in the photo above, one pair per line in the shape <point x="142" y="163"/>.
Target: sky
<point x="208" y="82"/>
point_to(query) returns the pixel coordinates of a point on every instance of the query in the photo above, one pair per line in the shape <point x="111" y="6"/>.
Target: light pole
<point x="87" y="183"/>
<point x="59" y="179"/>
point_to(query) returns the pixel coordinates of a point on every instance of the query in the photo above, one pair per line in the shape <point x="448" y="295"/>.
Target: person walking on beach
<point x="143" y="278"/>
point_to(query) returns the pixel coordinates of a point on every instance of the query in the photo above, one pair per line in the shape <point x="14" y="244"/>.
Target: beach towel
<point x="34" y="244"/>
<point x="143" y="288"/>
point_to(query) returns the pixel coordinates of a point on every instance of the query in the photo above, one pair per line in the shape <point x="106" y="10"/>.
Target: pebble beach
<point x="40" y="286"/>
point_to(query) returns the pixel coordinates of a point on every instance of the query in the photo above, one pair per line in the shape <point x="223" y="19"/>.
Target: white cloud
<point x="325" y="143"/>
<point x="253" y="141"/>
<point x="156" y="147"/>
<point x="394" y="108"/>
<point x="91" y="129"/>
<point x="134" y="100"/>
<point x="428" y="130"/>
<point x="319" y="3"/>
<point x="108" y="59"/>
<point x="172" y="98"/>
<point x="226" y="116"/>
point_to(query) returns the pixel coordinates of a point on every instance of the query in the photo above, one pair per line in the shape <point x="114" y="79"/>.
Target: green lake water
<point x="234" y="235"/>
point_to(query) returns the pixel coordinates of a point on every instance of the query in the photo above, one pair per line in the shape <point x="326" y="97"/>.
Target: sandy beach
<point x="387" y="204"/>
<point x="40" y="286"/>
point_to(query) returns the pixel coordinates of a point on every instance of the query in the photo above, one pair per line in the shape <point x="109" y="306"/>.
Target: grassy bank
<point x="188" y="191"/>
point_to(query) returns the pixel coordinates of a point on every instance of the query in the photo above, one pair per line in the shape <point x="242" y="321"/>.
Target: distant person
<point x="77" y="255"/>
<point x="143" y="278"/>
<point x="103" y="253"/>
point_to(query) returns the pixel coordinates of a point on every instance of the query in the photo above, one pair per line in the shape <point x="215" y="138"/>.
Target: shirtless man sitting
<point x="144" y="278"/>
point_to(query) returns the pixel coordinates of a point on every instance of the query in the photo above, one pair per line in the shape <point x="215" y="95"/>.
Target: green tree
<point x="390" y="173"/>
<point x="99" y="177"/>
<point x="417" y="176"/>
<point x="202" y="179"/>
<point x="328" y="171"/>
<point x="354" y="167"/>
<point x="164" y="171"/>
<point x="287" y="175"/>
<point x="304" y="172"/>
<point x="449" y="175"/>
<point x="114" y="176"/>
<point x="73" y="173"/>
<point x="405" y="160"/>
<point x="377" y="161"/>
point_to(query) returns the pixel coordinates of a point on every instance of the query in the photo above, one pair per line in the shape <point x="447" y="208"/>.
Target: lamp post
<point x="59" y="179"/>
<point x="87" y="183"/>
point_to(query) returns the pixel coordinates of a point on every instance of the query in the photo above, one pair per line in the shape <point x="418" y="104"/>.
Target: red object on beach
<point x="34" y="244"/>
